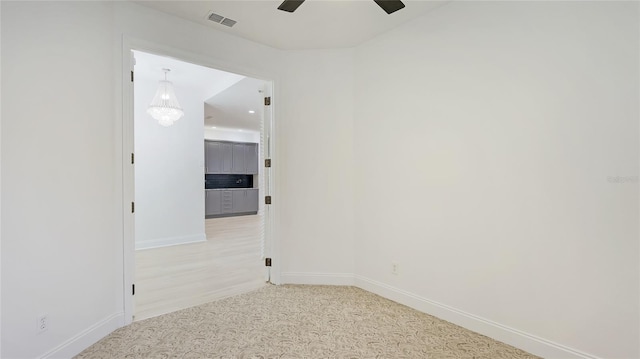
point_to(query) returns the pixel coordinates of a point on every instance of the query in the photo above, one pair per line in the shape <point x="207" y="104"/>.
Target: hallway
<point x="182" y="276"/>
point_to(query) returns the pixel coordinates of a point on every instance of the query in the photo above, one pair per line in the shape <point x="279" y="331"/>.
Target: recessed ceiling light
<point x="239" y="130"/>
<point x="252" y="111"/>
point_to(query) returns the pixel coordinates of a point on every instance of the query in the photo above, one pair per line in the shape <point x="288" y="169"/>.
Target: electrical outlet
<point x="42" y="323"/>
<point x="394" y="268"/>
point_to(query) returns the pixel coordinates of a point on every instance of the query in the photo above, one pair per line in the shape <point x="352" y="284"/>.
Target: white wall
<point x="59" y="238"/>
<point x="315" y="132"/>
<point x="504" y="119"/>
<point x="313" y="106"/>
<point x="0" y="187"/>
<point x="62" y="207"/>
<point x="231" y="135"/>
<point x="169" y="170"/>
<point x="485" y="134"/>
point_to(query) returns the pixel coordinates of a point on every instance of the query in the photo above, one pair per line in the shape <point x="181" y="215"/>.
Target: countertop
<point x="227" y="189"/>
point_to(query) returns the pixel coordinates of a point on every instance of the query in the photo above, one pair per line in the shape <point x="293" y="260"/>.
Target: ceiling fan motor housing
<point x="389" y="6"/>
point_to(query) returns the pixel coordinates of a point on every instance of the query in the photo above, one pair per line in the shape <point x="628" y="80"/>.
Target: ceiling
<point x="206" y="80"/>
<point x="230" y="108"/>
<point x="227" y="97"/>
<point x="316" y="24"/>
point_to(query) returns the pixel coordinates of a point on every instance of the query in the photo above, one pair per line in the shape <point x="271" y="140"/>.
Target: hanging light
<point x="165" y="107"/>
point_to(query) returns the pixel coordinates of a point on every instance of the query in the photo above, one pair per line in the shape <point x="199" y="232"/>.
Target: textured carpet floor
<point x="293" y="321"/>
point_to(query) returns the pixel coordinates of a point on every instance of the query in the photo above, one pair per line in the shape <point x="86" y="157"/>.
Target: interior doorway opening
<point x="201" y="224"/>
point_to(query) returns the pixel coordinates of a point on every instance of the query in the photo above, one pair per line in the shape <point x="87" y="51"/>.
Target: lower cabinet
<point x="213" y="203"/>
<point x="239" y="201"/>
<point x="227" y="203"/>
<point x="245" y="201"/>
<point x="252" y="200"/>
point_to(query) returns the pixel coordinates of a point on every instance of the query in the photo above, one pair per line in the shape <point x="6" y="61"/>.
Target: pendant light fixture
<point x="165" y="107"/>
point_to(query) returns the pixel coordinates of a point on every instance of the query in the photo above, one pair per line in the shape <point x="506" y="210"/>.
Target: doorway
<point x="180" y="259"/>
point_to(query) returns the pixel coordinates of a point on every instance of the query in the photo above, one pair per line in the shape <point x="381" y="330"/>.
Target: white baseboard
<point x="170" y="241"/>
<point x="517" y="338"/>
<point x="86" y="338"/>
<point x="316" y="278"/>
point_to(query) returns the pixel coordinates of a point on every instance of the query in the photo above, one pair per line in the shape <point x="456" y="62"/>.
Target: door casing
<point x="125" y="178"/>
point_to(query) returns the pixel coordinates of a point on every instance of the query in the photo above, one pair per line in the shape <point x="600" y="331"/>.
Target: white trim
<point x="170" y="241"/>
<point x="317" y="278"/>
<point x="86" y="338"/>
<point x="271" y="229"/>
<point x="125" y="146"/>
<point x="127" y="179"/>
<point x="517" y="338"/>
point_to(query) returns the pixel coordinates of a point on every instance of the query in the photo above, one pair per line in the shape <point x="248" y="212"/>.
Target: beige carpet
<point x="294" y="321"/>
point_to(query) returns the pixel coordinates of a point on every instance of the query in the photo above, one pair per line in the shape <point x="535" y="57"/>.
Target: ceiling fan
<point x="389" y="6"/>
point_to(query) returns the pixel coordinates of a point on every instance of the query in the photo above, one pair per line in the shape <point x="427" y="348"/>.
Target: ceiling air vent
<point x="215" y="17"/>
<point x="221" y="19"/>
<point x="228" y="22"/>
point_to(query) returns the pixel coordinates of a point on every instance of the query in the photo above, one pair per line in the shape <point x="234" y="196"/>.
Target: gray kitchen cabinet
<point x="238" y="158"/>
<point x="213" y="203"/>
<point x="225" y="149"/>
<point x="230" y="157"/>
<point x="213" y="164"/>
<point x="251" y="158"/>
<point x="245" y="201"/>
<point x="217" y="157"/>
<point x="239" y="201"/>
<point x="252" y="200"/>
<point x="226" y="203"/>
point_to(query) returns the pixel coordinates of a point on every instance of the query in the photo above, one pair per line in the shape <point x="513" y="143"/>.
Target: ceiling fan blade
<point x="390" y="6"/>
<point x="290" y="5"/>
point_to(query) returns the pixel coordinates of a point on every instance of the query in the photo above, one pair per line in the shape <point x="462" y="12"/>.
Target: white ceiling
<point x="230" y="108"/>
<point x="316" y="24"/>
<point x="207" y="81"/>
<point x="227" y="97"/>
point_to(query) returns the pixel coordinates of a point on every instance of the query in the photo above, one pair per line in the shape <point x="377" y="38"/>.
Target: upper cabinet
<point x="239" y="165"/>
<point x="251" y="158"/>
<point x="230" y="157"/>
<point x="218" y="157"/>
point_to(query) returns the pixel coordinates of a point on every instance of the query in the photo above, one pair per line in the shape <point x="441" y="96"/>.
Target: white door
<point x="266" y="147"/>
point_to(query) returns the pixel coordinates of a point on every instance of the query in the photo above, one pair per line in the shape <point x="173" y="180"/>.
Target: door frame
<point x="127" y="175"/>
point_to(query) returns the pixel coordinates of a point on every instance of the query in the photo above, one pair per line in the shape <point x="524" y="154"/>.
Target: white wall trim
<point x="517" y="338"/>
<point x="316" y="278"/>
<point x="170" y="241"/>
<point x="125" y="145"/>
<point x="87" y="337"/>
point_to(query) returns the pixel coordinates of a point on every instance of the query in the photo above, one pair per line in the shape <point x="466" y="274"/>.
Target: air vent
<point x="221" y="19"/>
<point x="228" y="22"/>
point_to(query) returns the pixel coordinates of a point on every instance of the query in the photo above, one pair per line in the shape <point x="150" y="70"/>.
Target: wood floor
<point x="182" y="276"/>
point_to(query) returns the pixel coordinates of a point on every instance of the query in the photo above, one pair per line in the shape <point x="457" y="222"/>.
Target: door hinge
<point x="133" y="289"/>
<point x="133" y="207"/>
<point x="131" y="76"/>
<point x="267" y="101"/>
<point x="132" y="158"/>
<point x="267" y="162"/>
<point x="267" y="262"/>
<point x="267" y="200"/>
